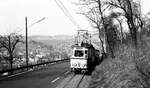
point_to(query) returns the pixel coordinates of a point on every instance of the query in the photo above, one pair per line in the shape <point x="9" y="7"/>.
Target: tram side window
<point x="86" y="52"/>
<point x="78" y="53"/>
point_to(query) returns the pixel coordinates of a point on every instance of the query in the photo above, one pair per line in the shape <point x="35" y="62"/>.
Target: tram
<point x="84" y="57"/>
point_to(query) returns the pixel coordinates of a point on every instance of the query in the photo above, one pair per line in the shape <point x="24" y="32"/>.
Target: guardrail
<point x="30" y="66"/>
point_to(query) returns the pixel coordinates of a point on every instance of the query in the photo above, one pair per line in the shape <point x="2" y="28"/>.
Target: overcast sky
<point x="13" y="13"/>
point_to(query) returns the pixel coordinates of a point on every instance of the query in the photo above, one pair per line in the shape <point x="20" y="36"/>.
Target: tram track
<point x="69" y="81"/>
<point x="80" y="81"/>
<point x="73" y="81"/>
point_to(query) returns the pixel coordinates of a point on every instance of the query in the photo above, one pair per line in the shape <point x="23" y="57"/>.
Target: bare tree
<point x="94" y="10"/>
<point x="131" y="12"/>
<point x="94" y="15"/>
<point x="9" y="43"/>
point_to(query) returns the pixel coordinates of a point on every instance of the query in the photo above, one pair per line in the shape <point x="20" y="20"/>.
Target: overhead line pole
<point x="26" y="25"/>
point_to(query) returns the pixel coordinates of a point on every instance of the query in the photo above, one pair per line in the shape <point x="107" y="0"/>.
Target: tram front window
<point x="78" y="53"/>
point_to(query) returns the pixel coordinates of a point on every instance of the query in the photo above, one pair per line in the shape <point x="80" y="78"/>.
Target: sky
<point x="13" y="13"/>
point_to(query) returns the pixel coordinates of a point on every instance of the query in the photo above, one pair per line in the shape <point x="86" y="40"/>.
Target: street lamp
<point x="36" y="22"/>
<point x="26" y="25"/>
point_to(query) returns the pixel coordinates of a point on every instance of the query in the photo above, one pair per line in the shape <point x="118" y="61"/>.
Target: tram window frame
<point x="79" y="53"/>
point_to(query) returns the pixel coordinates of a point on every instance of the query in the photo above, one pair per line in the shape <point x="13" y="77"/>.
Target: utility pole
<point x="26" y="25"/>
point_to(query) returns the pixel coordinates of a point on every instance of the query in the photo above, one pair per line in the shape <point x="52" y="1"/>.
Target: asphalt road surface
<point x="48" y="77"/>
<point x="75" y="81"/>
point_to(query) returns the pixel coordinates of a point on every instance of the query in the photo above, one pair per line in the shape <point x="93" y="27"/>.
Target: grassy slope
<point x="126" y="70"/>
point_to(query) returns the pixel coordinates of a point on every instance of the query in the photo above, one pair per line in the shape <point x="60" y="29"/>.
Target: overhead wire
<point x="21" y="29"/>
<point x="67" y="13"/>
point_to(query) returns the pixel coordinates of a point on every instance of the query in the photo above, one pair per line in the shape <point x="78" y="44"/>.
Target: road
<point x="48" y="77"/>
<point x="75" y="81"/>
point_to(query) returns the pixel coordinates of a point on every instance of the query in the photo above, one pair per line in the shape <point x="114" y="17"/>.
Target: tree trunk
<point x="131" y="24"/>
<point x="11" y="63"/>
<point x="133" y="33"/>
<point x="105" y="27"/>
<point x="102" y="43"/>
<point x="110" y="47"/>
<point x="121" y="29"/>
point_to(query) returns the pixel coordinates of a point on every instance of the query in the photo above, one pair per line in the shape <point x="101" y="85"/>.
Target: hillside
<point x="129" y="69"/>
<point x="40" y="37"/>
<point x="56" y="37"/>
<point x="60" y="43"/>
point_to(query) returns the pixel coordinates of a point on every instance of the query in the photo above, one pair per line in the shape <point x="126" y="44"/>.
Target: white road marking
<point x="55" y="80"/>
<point x="66" y="72"/>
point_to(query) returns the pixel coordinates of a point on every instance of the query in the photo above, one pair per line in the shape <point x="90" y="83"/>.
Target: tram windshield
<point x="79" y="53"/>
